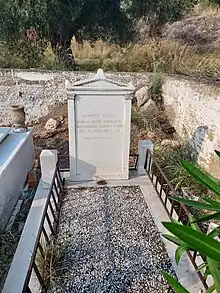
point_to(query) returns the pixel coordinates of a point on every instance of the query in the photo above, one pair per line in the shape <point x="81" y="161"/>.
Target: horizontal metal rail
<point x="175" y="210"/>
<point x="39" y="231"/>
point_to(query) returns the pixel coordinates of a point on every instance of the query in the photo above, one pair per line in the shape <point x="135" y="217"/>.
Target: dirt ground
<point x="59" y="138"/>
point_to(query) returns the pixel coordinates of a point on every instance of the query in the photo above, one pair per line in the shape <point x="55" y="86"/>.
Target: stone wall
<point x="193" y="108"/>
<point x="40" y="90"/>
<point x="194" y="111"/>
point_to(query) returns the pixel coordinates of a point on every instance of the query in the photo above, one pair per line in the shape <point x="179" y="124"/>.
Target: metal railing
<point x="174" y="209"/>
<point x="133" y="161"/>
<point x="39" y="231"/>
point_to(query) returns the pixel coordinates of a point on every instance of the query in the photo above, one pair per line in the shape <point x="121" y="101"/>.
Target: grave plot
<point x="109" y="243"/>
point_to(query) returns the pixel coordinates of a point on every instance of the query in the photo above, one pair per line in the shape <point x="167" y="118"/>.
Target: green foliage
<point x="28" y="26"/>
<point x="23" y="29"/>
<point x="201" y="177"/>
<point x="205" y="244"/>
<point x="177" y="287"/>
<point x="170" y="161"/>
<point x="180" y="251"/>
<point x="208" y="2"/>
<point x="163" y="10"/>
<point x="214" y="268"/>
<point x="192" y="239"/>
<point x="198" y="205"/>
<point x="156" y="82"/>
<point x="196" y="240"/>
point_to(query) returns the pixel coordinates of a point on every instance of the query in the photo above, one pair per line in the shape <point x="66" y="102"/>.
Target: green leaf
<point x="175" y="221"/>
<point x="192" y="224"/>
<point x="207" y="272"/>
<point x="180" y="251"/>
<point x="215" y="216"/>
<point x="215" y="272"/>
<point x="177" y="287"/>
<point x="196" y="240"/>
<point x="211" y="201"/>
<point x="217" y="153"/>
<point x="173" y="239"/>
<point x="201" y="177"/>
<point x="215" y="232"/>
<point x="195" y="204"/>
<point x="210" y="289"/>
<point x="215" y="179"/>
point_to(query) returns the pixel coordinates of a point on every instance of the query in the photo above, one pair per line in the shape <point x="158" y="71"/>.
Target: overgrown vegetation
<point x="32" y="39"/>
<point x="174" y="57"/>
<point x="191" y="238"/>
<point x="155" y="86"/>
<point x="170" y="161"/>
<point x="37" y="23"/>
<point x="8" y="243"/>
<point x="139" y="118"/>
<point x="47" y="263"/>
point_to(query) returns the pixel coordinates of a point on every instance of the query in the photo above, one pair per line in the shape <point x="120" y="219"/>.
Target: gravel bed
<point x="109" y="243"/>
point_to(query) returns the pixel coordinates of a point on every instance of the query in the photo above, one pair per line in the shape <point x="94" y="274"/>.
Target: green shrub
<point x="191" y="238"/>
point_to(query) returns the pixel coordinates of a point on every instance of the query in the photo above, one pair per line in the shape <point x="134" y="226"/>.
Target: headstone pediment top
<point x="99" y="81"/>
<point x="100" y="74"/>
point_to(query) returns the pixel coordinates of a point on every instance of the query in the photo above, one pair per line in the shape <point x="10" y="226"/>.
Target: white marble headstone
<point x="99" y="128"/>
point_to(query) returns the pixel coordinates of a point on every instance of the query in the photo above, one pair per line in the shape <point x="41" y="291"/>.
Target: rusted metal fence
<point x="174" y="209"/>
<point x="39" y="232"/>
<point x="133" y="161"/>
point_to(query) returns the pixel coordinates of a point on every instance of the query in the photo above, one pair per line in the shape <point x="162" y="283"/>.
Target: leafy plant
<point x="190" y="238"/>
<point x="178" y="288"/>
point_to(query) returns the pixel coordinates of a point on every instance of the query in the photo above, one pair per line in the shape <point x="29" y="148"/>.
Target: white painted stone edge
<point x="23" y="256"/>
<point x="143" y="146"/>
<point x="48" y="162"/>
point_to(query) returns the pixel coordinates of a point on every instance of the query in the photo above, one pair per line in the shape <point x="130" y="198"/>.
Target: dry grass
<point x="206" y="9"/>
<point x="47" y="263"/>
<point x="173" y="57"/>
<point x="170" y="161"/>
<point x="8" y="244"/>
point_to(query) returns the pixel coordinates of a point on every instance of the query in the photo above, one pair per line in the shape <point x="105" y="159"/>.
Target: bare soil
<point x="59" y="138"/>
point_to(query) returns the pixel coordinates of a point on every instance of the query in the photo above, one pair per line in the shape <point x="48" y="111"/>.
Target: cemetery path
<point x="109" y="243"/>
